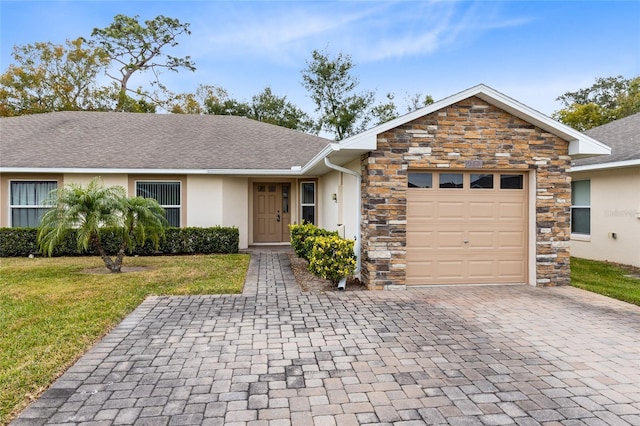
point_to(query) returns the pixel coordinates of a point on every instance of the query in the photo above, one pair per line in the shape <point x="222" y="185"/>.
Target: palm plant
<point x="88" y="210"/>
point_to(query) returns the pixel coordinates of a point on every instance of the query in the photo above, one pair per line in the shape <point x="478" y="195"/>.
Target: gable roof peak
<point x="580" y="145"/>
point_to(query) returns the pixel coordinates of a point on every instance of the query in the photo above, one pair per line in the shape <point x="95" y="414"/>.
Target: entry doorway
<point x="271" y="212"/>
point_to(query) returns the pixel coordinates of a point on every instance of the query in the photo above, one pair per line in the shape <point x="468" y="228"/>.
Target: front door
<point x="271" y="212"/>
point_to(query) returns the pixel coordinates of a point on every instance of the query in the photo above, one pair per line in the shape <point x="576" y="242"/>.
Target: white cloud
<point x="369" y="31"/>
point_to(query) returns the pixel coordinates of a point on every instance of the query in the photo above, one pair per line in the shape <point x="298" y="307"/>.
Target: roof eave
<point x="605" y="166"/>
<point x="294" y="171"/>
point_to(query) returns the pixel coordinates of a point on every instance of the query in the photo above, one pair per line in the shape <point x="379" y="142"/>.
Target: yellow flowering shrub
<point x="303" y="237"/>
<point x="332" y="258"/>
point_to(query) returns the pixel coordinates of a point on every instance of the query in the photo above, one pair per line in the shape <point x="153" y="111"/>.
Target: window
<point x="27" y="202"/>
<point x="581" y="207"/>
<point x="308" y="202"/>
<point x="168" y="196"/>
<point x="450" y="180"/>
<point x="481" y="181"/>
<point x="420" y="180"/>
<point x="511" y="181"/>
<point x="285" y="199"/>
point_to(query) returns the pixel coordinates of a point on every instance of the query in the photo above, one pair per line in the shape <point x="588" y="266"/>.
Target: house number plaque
<point x="473" y="164"/>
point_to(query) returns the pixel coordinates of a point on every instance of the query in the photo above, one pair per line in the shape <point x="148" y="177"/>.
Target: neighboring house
<point x="471" y="189"/>
<point x="606" y="196"/>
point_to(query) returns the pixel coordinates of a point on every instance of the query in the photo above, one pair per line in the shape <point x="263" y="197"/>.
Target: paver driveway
<point x="275" y="356"/>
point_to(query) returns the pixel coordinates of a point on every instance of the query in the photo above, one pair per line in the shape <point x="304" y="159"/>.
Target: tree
<point x="88" y="210"/>
<point x="138" y="48"/>
<point x="265" y="106"/>
<point x="608" y="99"/>
<point x="332" y="87"/>
<point x="270" y="108"/>
<point x="384" y="112"/>
<point x="49" y="77"/>
<point x="417" y="100"/>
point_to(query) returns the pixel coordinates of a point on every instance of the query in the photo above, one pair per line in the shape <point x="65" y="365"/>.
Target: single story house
<point x="473" y="189"/>
<point x="606" y="196"/>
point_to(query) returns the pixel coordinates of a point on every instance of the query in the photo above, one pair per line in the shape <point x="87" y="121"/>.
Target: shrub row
<point x="17" y="242"/>
<point x="330" y="257"/>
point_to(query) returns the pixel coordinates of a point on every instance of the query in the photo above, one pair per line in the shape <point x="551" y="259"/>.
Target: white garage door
<point x="466" y="228"/>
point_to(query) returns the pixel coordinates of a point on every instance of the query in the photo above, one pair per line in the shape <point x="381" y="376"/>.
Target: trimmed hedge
<point x="19" y="242"/>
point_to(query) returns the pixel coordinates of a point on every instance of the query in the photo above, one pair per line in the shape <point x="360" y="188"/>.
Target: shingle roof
<point x="623" y="136"/>
<point x="116" y="140"/>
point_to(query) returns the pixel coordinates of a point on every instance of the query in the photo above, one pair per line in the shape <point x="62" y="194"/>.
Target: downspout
<point x="343" y="282"/>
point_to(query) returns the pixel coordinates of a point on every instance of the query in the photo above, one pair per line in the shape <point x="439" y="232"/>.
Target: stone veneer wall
<point x="471" y="129"/>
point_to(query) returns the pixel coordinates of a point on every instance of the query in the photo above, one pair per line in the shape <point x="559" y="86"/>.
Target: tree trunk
<point x="119" y="257"/>
<point x="108" y="262"/>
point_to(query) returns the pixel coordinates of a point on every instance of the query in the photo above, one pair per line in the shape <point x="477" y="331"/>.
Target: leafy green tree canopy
<point x="332" y="87"/>
<point x="343" y="110"/>
<point x="266" y="106"/>
<point x="136" y="48"/>
<point x="608" y="99"/>
<point x="48" y="77"/>
<point x="90" y="209"/>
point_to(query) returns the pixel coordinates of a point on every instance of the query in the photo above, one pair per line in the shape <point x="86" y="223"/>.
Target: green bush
<point x="332" y="258"/>
<point x="303" y="237"/>
<point x="15" y="242"/>
<point x="18" y="242"/>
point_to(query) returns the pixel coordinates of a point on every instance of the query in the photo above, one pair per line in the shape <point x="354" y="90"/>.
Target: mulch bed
<point x="309" y="283"/>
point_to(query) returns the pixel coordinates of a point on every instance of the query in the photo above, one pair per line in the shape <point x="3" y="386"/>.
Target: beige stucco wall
<point x="328" y="210"/>
<point x="108" y="180"/>
<point x="615" y="203"/>
<point x="343" y="211"/>
<point x="235" y="210"/>
<point x="204" y="203"/>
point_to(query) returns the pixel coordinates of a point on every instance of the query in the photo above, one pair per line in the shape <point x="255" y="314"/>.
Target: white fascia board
<point x="94" y="171"/>
<point x="579" y="143"/>
<point x="604" y="166"/>
<point x="319" y="157"/>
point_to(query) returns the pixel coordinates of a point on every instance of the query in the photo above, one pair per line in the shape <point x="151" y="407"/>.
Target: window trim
<point x="26" y="206"/>
<point x="165" y="206"/>
<point x="315" y="200"/>
<point x="574" y="234"/>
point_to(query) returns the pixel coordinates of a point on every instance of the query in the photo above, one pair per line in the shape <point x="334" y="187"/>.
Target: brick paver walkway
<point x="275" y="356"/>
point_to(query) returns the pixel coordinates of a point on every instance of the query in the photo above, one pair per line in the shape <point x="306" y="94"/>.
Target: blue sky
<point x="531" y="51"/>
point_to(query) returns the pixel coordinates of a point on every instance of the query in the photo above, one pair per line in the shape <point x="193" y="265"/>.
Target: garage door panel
<point x="450" y="269"/>
<point x="482" y="269"/>
<point x="481" y="239"/>
<point x="449" y="210"/>
<point x="512" y="268"/>
<point x="481" y="210"/>
<point x="451" y="239"/>
<point x="425" y="210"/>
<point x="419" y="238"/>
<point x="493" y="223"/>
<point x="511" y="239"/>
<point x="511" y="211"/>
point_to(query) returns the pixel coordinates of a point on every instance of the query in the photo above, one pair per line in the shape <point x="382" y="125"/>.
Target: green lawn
<point x="606" y="278"/>
<point x="51" y="312"/>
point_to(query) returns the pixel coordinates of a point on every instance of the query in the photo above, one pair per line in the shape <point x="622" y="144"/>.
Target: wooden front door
<point x="271" y="212"/>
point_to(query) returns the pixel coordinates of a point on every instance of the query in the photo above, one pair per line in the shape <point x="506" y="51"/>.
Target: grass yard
<point x="606" y="278"/>
<point x="51" y="312"/>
